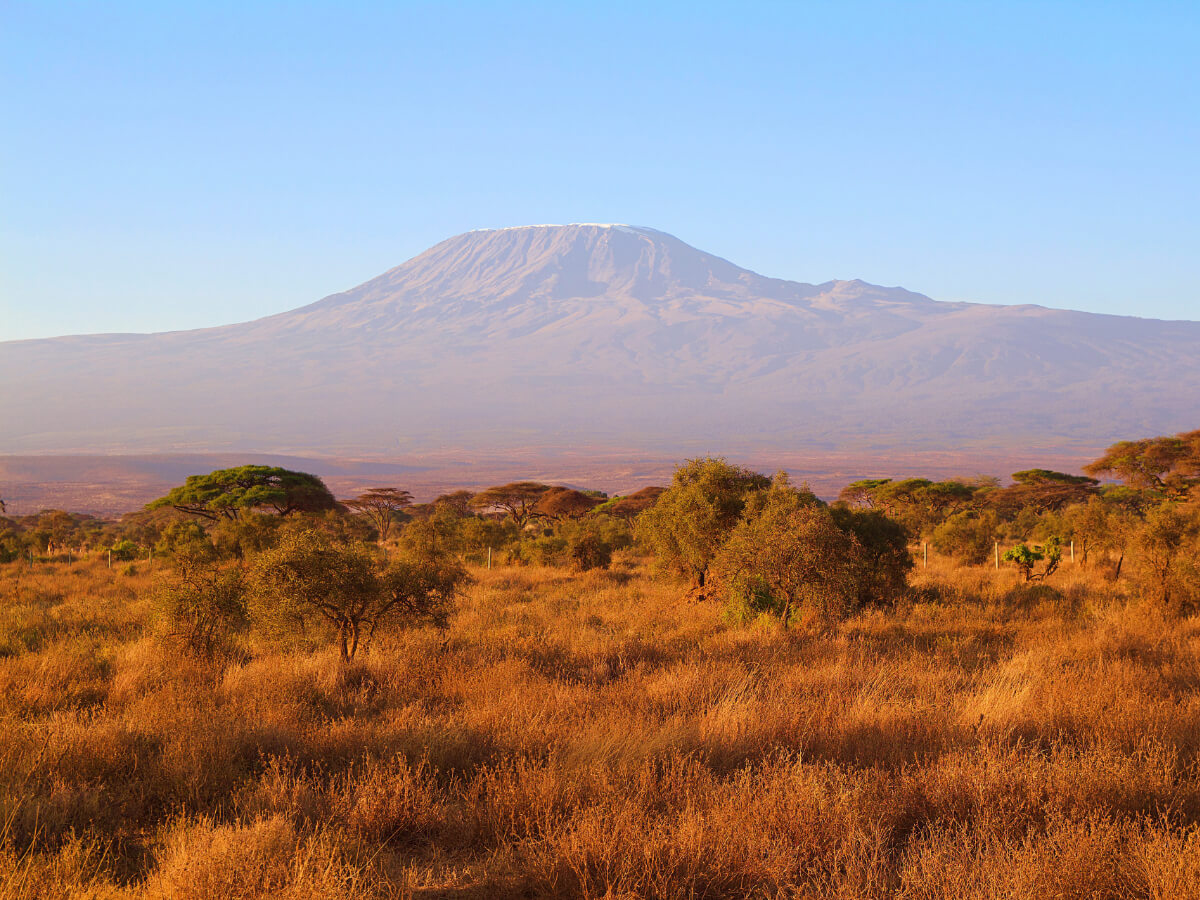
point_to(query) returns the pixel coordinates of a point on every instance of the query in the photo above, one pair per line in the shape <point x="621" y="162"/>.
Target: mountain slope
<point x="605" y="335"/>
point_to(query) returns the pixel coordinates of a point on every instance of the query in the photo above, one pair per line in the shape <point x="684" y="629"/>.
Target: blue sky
<point x="174" y="165"/>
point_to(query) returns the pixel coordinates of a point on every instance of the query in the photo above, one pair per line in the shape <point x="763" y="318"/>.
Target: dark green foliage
<point x="883" y="561"/>
<point x="227" y="493"/>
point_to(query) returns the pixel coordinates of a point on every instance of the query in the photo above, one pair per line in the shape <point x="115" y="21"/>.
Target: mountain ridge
<point x="610" y="335"/>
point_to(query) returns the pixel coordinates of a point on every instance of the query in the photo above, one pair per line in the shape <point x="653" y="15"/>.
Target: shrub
<point x="790" y="557"/>
<point x="204" y="604"/>
<point x="588" y="550"/>
<point x="967" y="536"/>
<point x="883" y="560"/>
<point x="1164" y="568"/>
<point x="1026" y="557"/>
<point x="125" y="551"/>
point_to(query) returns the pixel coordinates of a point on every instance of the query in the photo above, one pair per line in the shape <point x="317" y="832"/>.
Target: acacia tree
<point x="309" y="581"/>
<point x="516" y="499"/>
<point x="917" y="503"/>
<point x="629" y="508"/>
<point x="695" y="515"/>
<point x="227" y="493"/>
<point x="565" y="503"/>
<point x="380" y="506"/>
<point x="1042" y="490"/>
<point x="1167" y="464"/>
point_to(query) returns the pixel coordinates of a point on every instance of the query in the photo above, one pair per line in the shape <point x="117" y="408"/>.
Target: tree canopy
<point x="1042" y="490"/>
<point x="309" y="580"/>
<point x="789" y="553"/>
<point x="565" y="503"/>
<point x="227" y="493"/>
<point x="630" y="507"/>
<point x="380" y="506"/>
<point x="694" y="516"/>
<point x="1167" y="464"/>
<point x="516" y="499"/>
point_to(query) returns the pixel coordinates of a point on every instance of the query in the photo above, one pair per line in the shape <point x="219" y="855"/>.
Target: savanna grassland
<point x="594" y="735"/>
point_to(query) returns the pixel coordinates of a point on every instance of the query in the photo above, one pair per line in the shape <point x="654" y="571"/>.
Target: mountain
<point x="606" y="336"/>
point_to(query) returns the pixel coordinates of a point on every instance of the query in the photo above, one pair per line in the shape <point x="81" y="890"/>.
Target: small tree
<point x="380" y="506"/>
<point x="310" y="582"/>
<point x="1026" y="558"/>
<point x="1162" y="543"/>
<point x="418" y="588"/>
<point x="588" y="550"/>
<point x="883" y="560"/>
<point x="690" y="521"/>
<point x="227" y="493"/>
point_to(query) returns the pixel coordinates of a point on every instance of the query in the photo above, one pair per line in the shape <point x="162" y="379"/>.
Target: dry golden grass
<point x="593" y="736"/>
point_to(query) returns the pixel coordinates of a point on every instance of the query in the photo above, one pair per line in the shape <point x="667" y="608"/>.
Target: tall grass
<point x="595" y="736"/>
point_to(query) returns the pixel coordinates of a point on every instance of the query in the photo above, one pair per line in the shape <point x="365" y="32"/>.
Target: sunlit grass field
<point x="595" y="735"/>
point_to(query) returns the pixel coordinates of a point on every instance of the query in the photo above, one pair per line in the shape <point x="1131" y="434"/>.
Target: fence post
<point x="1072" y="553"/>
<point x="925" y="551"/>
<point x="997" y="549"/>
<point x="110" y="559"/>
<point x="489" y="557"/>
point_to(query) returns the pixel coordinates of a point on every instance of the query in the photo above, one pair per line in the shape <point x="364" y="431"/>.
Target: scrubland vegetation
<point x="726" y="689"/>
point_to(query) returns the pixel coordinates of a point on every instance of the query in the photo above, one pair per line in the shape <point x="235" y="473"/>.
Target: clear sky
<point x="174" y="165"/>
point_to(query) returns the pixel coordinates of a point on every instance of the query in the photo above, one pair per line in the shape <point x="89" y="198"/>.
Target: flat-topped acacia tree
<point x="517" y="499"/>
<point x="227" y="493"/>
<point x="1169" y="464"/>
<point x="380" y="506"/>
